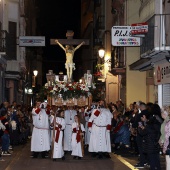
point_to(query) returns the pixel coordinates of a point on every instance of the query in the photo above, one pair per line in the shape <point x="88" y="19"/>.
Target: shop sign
<point x="162" y="73"/>
<point x="139" y="28"/>
<point x="121" y="36"/>
<point x="31" y="41"/>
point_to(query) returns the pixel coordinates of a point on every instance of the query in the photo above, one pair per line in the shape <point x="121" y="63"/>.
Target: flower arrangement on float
<point x="68" y="90"/>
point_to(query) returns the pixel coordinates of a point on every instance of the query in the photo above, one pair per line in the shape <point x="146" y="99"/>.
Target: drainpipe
<point x="160" y="87"/>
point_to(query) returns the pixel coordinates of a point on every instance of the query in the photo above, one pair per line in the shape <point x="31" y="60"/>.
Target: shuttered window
<point x="11" y="45"/>
<point x="166" y="94"/>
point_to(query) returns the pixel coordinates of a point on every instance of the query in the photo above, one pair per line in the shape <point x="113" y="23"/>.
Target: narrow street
<point x="20" y="159"/>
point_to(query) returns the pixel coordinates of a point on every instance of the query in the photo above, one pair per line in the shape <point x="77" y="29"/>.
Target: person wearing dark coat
<point x="150" y="132"/>
<point x="142" y="158"/>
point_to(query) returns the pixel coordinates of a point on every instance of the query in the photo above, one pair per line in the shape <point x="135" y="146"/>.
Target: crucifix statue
<point x="69" y="50"/>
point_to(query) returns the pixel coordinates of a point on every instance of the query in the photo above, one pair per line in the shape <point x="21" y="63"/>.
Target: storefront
<point x="2" y="79"/>
<point x="162" y="80"/>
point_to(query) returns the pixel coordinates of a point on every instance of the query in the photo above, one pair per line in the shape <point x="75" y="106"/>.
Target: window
<point x="11" y="41"/>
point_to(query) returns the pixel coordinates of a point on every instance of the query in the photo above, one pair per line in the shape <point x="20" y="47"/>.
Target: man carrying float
<point x="100" y="124"/>
<point x="40" y="142"/>
<point x="69" y="120"/>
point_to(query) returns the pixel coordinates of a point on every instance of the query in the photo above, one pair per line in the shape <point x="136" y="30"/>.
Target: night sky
<point x="56" y="17"/>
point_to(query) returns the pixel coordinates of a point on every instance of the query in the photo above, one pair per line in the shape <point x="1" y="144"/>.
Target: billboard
<point x="31" y="41"/>
<point x="121" y="36"/>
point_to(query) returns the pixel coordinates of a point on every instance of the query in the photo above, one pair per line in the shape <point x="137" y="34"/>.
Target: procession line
<point x="124" y="161"/>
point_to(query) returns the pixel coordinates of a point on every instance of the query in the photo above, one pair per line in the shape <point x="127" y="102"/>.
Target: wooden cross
<point x="69" y="40"/>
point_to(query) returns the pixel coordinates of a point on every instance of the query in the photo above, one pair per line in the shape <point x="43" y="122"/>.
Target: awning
<point x="140" y="64"/>
<point x="148" y="61"/>
<point x="118" y="71"/>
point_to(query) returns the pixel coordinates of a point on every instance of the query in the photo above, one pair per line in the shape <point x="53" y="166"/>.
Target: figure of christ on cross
<point x="69" y="51"/>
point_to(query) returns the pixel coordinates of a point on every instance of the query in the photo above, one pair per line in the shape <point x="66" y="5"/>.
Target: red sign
<point x="139" y="28"/>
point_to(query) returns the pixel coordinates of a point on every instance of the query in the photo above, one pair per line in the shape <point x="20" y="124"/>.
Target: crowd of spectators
<point x="15" y="126"/>
<point x="142" y="129"/>
<point x="137" y="129"/>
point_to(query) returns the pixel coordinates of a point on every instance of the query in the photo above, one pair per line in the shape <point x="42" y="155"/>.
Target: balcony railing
<point x="158" y="33"/>
<point x="100" y="23"/>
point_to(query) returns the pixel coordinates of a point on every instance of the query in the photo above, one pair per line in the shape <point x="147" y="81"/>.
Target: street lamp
<point x="101" y="52"/>
<point x="35" y="72"/>
<point x="28" y="90"/>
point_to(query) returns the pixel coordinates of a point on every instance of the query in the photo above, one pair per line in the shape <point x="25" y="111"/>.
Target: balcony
<point x="155" y="45"/>
<point x="100" y="23"/>
<point x="158" y="36"/>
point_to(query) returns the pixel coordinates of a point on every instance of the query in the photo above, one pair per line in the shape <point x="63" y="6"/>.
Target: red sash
<point x="57" y="134"/>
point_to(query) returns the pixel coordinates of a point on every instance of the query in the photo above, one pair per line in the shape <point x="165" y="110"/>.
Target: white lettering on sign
<point x="162" y="73"/>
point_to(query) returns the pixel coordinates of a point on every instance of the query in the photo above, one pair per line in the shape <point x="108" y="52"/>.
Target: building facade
<point x="14" y="22"/>
<point x="154" y="51"/>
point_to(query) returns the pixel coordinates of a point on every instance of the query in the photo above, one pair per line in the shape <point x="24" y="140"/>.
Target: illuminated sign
<point x="31" y="41"/>
<point x="121" y="36"/>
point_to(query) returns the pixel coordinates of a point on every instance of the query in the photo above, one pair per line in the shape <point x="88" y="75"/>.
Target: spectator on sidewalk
<point x="5" y="137"/>
<point x="142" y="158"/>
<point x="164" y="114"/>
<point x="122" y="133"/>
<point x="2" y="129"/>
<point x="166" y="145"/>
<point x="149" y="129"/>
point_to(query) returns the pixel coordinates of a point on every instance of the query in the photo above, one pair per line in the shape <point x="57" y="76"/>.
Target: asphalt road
<point x="21" y="160"/>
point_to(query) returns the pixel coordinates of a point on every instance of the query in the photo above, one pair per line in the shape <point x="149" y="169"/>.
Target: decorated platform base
<point x="68" y="94"/>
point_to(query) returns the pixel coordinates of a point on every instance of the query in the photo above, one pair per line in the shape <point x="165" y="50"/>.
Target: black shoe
<point x="79" y="158"/>
<point x="106" y="155"/>
<point x="74" y="157"/>
<point x="94" y="155"/>
<point x="35" y="157"/>
<point x="139" y="166"/>
<point x="100" y="157"/>
<point x="54" y="159"/>
<point x="63" y="158"/>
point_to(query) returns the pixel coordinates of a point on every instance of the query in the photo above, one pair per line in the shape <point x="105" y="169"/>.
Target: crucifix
<point x="69" y="50"/>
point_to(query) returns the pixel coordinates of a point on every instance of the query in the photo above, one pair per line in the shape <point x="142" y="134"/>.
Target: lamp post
<point x="35" y="73"/>
<point x="28" y="92"/>
<point x="101" y="52"/>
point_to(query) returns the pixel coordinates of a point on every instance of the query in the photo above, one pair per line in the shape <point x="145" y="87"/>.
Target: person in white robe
<point x="69" y="120"/>
<point x="77" y="138"/>
<point x="99" y="124"/>
<point x="59" y="124"/>
<point x="87" y="134"/>
<point x="40" y="141"/>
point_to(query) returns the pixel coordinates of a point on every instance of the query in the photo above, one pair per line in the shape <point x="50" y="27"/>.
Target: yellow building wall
<point x="112" y="84"/>
<point x="112" y="90"/>
<point x="135" y="80"/>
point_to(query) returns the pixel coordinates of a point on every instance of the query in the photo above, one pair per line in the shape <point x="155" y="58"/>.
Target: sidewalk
<point x="127" y="156"/>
